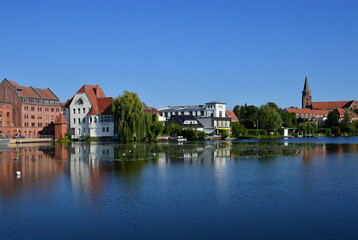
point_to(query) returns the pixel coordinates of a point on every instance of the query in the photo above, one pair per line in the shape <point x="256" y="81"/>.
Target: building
<point x="186" y="121"/>
<point x="89" y="113"/>
<point x="210" y="109"/>
<point x="231" y="114"/>
<point x="318" y="111"/>
<point x="330" y="106"/>
<point x="309" y="114"/>
<point x="5" y="119"/>
<point x="33" y="109"/>
<point x="211" y="115"/>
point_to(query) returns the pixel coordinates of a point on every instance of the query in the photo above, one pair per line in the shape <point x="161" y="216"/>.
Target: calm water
<point x="286" y="189"/>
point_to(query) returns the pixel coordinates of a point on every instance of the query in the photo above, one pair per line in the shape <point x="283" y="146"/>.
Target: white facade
<point x="211" y="109"/>
<point x="81" y="124"/>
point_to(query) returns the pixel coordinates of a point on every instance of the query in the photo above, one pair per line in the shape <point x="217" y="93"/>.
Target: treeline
<point x="267" y="121"/>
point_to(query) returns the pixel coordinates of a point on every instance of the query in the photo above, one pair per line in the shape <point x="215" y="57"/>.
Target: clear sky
<point x="183" y="52"/>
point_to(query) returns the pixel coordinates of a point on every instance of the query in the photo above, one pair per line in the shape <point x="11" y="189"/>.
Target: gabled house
<point x="89" y="113"/>
<point x="186" y="121"/>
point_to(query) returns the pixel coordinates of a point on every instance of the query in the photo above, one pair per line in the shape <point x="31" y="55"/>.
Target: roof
<point x="231" y="114"/>
<point x="100" y="103"/>
<point x="104" y="106"/>
<point x="215" y="102"/>
<point x="342" y="111"/>
<point x="60" y="119"/>
<point x="32" y="92"/>
<point x="330" y="105"/>
<point x="180" y="119"/>
<point x="306" y="86"/>
<point x="306" y="111"/>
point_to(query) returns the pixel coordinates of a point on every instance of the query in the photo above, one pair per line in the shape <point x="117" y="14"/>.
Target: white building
<point x="210" y="109"/>
<point x="89" y="113"/>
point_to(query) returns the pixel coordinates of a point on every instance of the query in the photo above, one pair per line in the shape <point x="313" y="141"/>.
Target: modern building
<point x="211" y="115"/>
<point x="210" y="109"/>
<point x="89" y="113"/>
<point x="186" y="121"/>
<point x="33" y="109"/>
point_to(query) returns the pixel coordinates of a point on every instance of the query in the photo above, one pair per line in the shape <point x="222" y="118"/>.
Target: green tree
<point x="130" y="118"/>
<point x="236" y="110"/>
<point x="332" y="120"/>
<point x="157" y="128"/>
<point x="238" y="130"/>
<point x="269" y="118"/>
<point x="288" y="119"/>
<point x="307" y="127"/>
<point x="248" y="115"/>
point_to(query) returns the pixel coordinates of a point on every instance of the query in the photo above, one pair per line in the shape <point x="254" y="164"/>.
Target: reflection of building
<point x="36" y="163"/>
<point x="89" y="113"/>
<point x="33" y="109"/>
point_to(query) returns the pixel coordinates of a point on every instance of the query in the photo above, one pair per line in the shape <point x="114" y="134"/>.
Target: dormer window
<point x="79" y="101"/>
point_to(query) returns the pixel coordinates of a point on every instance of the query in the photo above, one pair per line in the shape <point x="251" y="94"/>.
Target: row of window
<point x="33" y="116"/>
<point x="94" y="119"/>
<point x="26" y="124"/>
<point x="39" y="109"/>
<point x="7" y="114"/>
<point x="79" y="110"/>
<point x="221" y="123"/>
<point x="193" y="113"/>
<point x="104" y="129"/>
<point x="7" y="124"/>
<point x="39" y="101"/>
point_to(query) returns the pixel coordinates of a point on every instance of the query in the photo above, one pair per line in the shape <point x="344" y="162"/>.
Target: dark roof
<point x="31" y="92"/>
<point x="214" y="102"/>
<point x="180" y="119"/>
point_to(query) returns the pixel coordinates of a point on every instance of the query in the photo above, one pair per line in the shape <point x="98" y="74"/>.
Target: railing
<point x="32" y="136"/>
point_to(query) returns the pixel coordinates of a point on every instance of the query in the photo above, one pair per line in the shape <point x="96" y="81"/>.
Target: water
<point x="286" y="189"/>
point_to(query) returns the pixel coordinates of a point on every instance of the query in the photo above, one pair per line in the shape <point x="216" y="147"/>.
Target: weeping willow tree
<point x="130" y="117"/>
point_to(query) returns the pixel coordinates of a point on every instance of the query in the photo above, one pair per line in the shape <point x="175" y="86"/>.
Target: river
<point x="283" y="189"/>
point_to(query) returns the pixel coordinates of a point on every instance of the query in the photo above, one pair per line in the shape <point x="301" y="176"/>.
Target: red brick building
<point x="5" y="119"/>
<point x="33" y="109"/>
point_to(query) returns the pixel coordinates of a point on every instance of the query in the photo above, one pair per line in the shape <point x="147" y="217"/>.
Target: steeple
<point x="307" y="85"/>
<point x="306" y="95"/>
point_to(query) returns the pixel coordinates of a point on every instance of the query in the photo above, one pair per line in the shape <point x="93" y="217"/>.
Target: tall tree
<point x="332" y="120"/>
<point x="236" y="110"/>
<point x="269" y="118"/>
<point x="129" y="115"/>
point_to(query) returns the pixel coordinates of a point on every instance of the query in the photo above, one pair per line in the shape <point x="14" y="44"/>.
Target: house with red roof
<point x="89" y="113"/>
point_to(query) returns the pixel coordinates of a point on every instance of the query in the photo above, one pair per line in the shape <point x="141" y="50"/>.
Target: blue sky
<point x="179" y="52"/>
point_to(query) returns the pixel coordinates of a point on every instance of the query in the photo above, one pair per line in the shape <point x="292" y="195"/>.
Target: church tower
<point x="306" y="95"/>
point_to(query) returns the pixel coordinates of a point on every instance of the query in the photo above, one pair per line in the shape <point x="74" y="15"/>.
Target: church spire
<point x="307" y="86"/>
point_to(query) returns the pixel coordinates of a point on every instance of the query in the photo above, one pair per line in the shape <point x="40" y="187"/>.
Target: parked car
<point x="19" y="137"/>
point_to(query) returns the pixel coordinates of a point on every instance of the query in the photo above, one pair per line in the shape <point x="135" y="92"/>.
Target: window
<point x="90" y="120"/>
<point x="74" y="111"/>
<point x="79" y="120"/>
<point x="103" y="129"/>
<point x="32" y="116"/>
<point x="74" y="120"/>
<point x="95" y="119"/>
<point x="79" y="110"/>
<point x="8" y="114"/>
<point x="52" y="109"/>
<point x="39" y="109"/>
<point x="84" y="110"/>
<point x="32" y="124"/>
<point x="32" y="108"/>
<point x="39" y="116"/>
<point x="84" y="120"/>
<point x="107" y="129"/>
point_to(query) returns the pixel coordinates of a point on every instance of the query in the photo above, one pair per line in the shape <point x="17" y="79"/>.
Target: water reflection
<point x="87" y="165"/>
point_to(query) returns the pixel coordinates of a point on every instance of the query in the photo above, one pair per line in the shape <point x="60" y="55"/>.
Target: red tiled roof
<point x="100" y="103"/>
<point x="231" y="114"/>
<point x="342" y="111"/>
<point x="104" y="106"/>
<point x="32" y="92"/>
<point x="60" y="119"/>
<point x="307" y="111"/>
<point x="329" y="105"/>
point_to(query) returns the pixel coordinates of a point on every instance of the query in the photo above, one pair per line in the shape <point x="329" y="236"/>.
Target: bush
<point x="336" y="130"/>
<point x="328" y="132"/>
